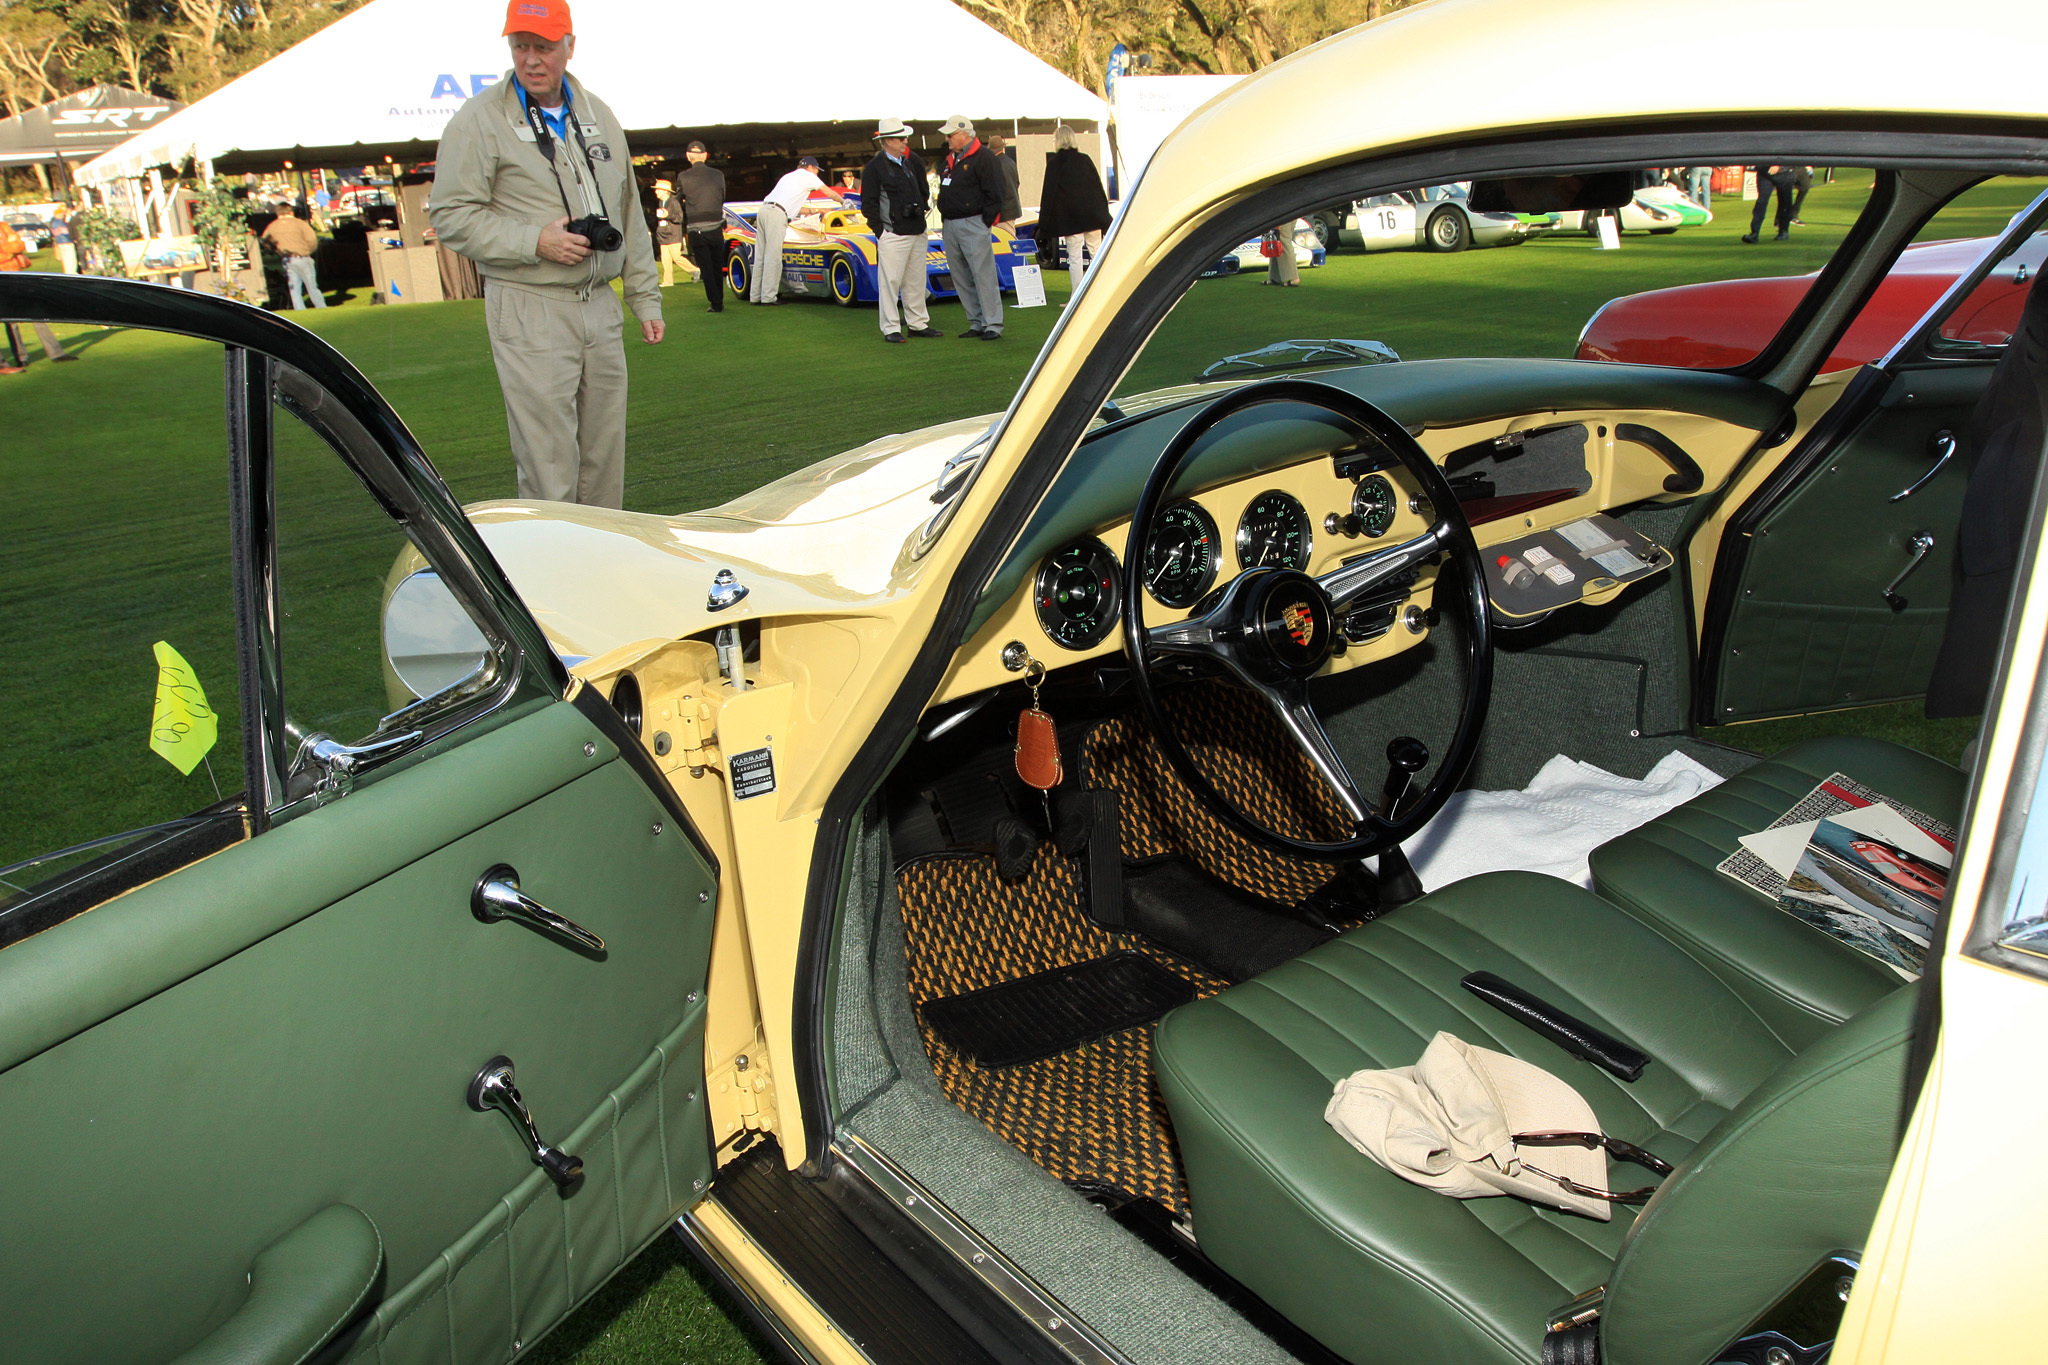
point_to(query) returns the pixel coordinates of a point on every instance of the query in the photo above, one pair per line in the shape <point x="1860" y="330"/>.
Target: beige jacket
<point x="493" y="193"/>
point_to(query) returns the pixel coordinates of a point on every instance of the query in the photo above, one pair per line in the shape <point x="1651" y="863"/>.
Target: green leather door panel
<point x="292" y="1024"/>
<point x="1804" y="625"/>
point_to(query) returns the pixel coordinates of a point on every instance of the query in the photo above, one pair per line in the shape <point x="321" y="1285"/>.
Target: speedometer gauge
<point x="1273" y="531"/>
<point x="1181" y="555"/>
<point x="1076" y="594"/>
<point x="1373" y="504"/>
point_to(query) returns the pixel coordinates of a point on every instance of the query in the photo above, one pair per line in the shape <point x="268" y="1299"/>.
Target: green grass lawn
<point x="119" y="457"/>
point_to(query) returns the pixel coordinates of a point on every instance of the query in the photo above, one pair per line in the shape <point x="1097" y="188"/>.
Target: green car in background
<point x="1659" y="210"/>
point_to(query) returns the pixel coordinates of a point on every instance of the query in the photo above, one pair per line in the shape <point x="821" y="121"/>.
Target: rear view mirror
<point x="1554" y="193"/>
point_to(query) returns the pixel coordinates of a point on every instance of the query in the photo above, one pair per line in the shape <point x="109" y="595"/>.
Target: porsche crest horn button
<point x="1300" y="620"/>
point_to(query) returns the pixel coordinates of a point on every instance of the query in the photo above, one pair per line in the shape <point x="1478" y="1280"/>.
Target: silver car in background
<point x="1437" y="217"/>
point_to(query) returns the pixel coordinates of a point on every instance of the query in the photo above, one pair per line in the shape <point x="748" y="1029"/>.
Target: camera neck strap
<point x="545" y="140"/>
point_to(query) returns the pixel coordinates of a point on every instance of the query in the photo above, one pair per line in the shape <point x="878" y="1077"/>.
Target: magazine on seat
<point x="1855" y="864"/>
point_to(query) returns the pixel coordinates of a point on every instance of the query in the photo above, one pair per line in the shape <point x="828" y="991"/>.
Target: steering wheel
<point x="1272" y="629"/>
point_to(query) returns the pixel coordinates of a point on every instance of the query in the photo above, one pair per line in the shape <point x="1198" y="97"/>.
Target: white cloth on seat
<point x="1553" y="825"/>
<point x="1450" y="1123"/>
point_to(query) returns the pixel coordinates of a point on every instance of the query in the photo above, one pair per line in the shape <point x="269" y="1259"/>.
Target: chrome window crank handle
<point x="495" y="1088"/>
<point x="1921" y="545"/>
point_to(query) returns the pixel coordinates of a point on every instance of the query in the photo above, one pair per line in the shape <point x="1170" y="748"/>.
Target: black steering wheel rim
<point x="1373" y="831"/>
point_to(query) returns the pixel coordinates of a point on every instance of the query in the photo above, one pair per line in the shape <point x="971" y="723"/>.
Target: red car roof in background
<point x="1725" y="323"/>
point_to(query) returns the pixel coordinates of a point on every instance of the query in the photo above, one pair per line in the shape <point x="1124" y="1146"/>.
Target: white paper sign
<point x="1782" y="847"/>
<point x="1609" y="228"/>
<point x="1030" y="286"/>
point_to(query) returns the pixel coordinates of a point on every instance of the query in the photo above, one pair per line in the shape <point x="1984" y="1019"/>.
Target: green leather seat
<point x="1800" y="980"/>
<point x="1382" y="1270"/>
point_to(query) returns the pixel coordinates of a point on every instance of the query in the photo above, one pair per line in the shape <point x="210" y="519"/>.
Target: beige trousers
<point x="562" y="365"/>
<point x="1076" y="262"/>
<point x="900" y="270"/>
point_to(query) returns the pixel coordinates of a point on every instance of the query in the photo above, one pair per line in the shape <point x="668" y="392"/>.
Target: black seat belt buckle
<point x="1574" y="1035"/>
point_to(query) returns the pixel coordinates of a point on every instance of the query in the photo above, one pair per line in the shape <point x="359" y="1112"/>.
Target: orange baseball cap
<point x="548" y="19"/>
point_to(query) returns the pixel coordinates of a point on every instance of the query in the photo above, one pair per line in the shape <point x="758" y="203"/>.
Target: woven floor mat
<point x="1241" y="748"/>
<point x="1091" y="1114"/>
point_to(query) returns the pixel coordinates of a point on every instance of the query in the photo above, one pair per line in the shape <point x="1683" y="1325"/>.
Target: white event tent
<point x="383" y="81"/>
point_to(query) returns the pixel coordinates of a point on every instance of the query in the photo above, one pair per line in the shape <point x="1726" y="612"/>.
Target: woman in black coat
<point x="1072" y="207"/>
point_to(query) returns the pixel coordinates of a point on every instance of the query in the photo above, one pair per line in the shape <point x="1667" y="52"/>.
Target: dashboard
<point x="1286" y="485"/>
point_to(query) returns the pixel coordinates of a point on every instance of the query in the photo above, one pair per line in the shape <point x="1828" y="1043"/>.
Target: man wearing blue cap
<point x="783" y="203"/>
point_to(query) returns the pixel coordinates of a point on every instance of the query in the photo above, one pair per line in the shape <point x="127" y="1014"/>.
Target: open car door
<point x="1832" y="582"/>
<point x="352" y="989"/>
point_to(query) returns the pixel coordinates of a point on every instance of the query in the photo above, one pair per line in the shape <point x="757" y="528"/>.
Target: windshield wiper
<point x="1301" y="354"/>
<point x="960" y="466"/>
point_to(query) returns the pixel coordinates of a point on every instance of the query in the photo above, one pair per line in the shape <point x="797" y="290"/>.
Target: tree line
<point x="185" y="49"/>
<point x="1212" y="37"/>
<point x="182" y="49"/>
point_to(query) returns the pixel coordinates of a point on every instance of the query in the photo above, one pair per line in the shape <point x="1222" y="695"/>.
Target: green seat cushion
<point x="1799" y="979"/>
<point x="1382" y="1270"/>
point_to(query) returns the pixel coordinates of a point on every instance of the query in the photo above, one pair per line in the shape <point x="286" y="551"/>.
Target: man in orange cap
<point x="534" y="182"/>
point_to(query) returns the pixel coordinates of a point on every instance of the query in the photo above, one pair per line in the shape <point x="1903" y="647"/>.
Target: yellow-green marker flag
<point x="184" y="727"/>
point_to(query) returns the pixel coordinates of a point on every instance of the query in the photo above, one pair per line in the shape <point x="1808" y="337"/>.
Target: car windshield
<point x="1420" y="275"/>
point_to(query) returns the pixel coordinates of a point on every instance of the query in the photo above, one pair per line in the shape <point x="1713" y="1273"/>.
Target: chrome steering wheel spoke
<point x="1290" y="704"/>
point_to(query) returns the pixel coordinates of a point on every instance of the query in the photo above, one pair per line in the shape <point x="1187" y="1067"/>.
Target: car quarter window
<point x="371" y="645"/>
<point x="1981" y="322"/>
<point x="335" y="547"/>
<point x="124" y="744"/>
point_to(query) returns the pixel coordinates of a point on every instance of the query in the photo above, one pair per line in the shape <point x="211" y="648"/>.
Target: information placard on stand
<point x="1030" y="285"/>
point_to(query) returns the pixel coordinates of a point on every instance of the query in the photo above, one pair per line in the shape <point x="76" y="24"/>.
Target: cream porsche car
<point x="947" y="887"/>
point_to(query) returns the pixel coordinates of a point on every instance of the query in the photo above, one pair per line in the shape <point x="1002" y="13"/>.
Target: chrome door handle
<point x="497" y="896"/>
<point x="1943" y="446"/>
<point x="496" y="1088"/>
<point x="1921" y="545"/>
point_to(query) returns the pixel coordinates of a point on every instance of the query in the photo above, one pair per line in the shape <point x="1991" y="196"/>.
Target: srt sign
<point x="142" y="115"/>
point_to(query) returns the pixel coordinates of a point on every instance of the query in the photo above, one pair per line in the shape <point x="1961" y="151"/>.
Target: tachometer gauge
<point x="1273" y="531"/>
<point x="1181" y="555"/>
<point x="1373" y="504"/>
<point x="1076" y="594"/>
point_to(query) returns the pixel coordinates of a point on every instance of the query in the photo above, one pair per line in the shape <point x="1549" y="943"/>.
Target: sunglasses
<point x="1614" y="1147"/>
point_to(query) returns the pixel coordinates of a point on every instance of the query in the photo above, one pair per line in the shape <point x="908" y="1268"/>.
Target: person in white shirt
<point x="783" y="203"/>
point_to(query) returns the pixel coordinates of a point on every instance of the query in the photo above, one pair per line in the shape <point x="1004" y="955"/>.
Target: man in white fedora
<point x="895" y="197"/>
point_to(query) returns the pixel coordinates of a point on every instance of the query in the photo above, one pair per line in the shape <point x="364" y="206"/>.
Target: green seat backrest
<point x="1795" y="1172"/>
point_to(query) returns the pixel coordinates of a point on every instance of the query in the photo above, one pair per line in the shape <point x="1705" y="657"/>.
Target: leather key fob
<point x="1038" y="750"/>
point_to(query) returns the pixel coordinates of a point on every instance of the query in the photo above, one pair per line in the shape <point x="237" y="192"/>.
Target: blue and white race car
<point x="831" y="255"/>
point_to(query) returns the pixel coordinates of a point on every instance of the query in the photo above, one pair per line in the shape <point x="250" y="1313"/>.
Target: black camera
<point x="598" y="231"/>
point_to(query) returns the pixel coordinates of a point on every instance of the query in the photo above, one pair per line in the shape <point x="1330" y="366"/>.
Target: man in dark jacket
<point x="1006" y="161"/>
<point x="895" y="199"/>
<point x="971" y="192"/>
<point x="701" y="192"/>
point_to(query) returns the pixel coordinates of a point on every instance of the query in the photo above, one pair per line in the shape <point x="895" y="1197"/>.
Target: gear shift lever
<point x="1398" y="882"/>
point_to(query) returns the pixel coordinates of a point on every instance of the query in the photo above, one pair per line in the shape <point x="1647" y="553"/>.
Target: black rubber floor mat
<point x="1051" y="1012"/>
<point x="1204" y="919"/>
